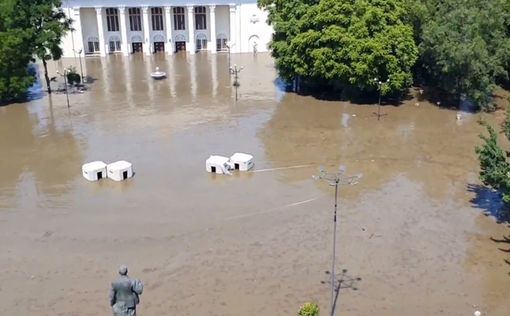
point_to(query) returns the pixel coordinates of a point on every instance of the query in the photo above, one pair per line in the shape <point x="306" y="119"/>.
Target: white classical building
<point x="102" y="27"/>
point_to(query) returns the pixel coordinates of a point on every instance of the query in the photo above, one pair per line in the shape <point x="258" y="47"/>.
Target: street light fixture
<point x="65" y="83"/>
<point x="379" y="86"/>
<point x="335" y="179"/>
<point x="235" y="71"/>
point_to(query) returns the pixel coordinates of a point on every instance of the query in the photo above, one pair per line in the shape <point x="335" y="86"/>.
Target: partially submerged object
<point x="218" y="164"/>
<point x="120" y="170"/>
<point x="158" y="74"/>
<point x="94" y="171"/>
<point x="241" y="161"/>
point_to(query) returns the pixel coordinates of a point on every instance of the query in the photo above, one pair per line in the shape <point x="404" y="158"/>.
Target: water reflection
<point x="39" y="147"/>
<point x="303" y="130"/>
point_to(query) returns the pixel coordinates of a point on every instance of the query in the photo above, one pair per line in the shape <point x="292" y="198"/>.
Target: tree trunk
<point x="46" y="75"/>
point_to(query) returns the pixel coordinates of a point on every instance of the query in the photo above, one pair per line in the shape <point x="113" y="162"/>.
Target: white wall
<point x="253" y="25"/>
<point x="223" y="21"/>
<point x="250" y="24"/>
<point x="88" y="25"/>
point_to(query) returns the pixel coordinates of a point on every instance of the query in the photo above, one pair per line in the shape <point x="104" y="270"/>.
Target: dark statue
<point x="125" y="294"/>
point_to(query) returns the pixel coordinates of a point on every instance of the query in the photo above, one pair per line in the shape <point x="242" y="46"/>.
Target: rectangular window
<point x="112" y="19"/>
<point x="93" y="46"/>
<point x="179" y="21"/>
<point x="114" y="46"/>
<point x="157" y="19"/>
<point x="221" y="44"/>
<point x="135" y="20"/>
<point x="200" y="20"/>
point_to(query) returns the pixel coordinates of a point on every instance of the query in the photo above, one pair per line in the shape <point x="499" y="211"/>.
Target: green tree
<point x="285" y="16"/>
<point x="344" y="44"/>
<point x="465" y="46"/>
<point x="495" y="170"/>
<point x="309" y="309"/>
<point x="49" y="25"/>
<point x="15" y="53"/>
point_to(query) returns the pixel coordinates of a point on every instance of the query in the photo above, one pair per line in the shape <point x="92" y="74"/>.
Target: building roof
<point x="240" y="157"/>
<point x="119" y="165"/>
<point x="94" y="165"/>
<point x="217" y="160"/>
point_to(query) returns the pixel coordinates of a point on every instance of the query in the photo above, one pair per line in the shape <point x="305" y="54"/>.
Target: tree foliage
<point x="459" y="46"/>
<point x="309" y="309"/>
<point x="495" y="170"/>
<point x="49" y="25"/>
<point x="343" y="44"/>
<point x="28" y="28"/>
<point x="15" y="53"/>
<point x="465" y="47"/>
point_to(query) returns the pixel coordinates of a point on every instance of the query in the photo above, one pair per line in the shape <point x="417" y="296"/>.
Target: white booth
<point x="120" y="170"/>
<point x="217" y="164"/>
<point x="94" y="171"/>
<point x="242" y="162"/>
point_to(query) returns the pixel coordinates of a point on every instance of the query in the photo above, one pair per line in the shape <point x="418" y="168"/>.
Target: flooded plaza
<point x="255" y="243"/>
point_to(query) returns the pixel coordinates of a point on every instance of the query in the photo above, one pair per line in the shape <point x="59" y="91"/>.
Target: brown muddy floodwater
<point x="256" y="243"/>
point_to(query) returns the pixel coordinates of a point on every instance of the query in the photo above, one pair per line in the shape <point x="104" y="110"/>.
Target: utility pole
<point x="380" y="85"/>
<point x="335" y="179"/>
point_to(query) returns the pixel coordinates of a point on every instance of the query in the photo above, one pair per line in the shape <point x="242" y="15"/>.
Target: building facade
<point x="102" y="27"/>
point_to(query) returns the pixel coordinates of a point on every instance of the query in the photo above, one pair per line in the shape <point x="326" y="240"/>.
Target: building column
<point x="100" y="30"/>
<point x="233" y="36"/>
<point x="146" y="32"/>
<point x="78" y="40"/>
<point x="123" y="31"/>
<point x="191" y="28"/>
<point x="168" y="27"/>
<point x="212" y="17"/>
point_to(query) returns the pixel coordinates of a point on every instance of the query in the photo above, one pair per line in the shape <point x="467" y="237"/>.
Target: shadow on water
<point x="445" y="100"/>
<point x="490" y="202"/>
<point x="346" y="95"/>
<point x="503" y="240"/>
<point x="343" y="282"/>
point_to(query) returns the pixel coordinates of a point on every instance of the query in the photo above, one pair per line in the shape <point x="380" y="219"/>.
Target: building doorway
<point x="137" y="47"/>
<point x="159" y="47"/>
<point x="180" y="46"/>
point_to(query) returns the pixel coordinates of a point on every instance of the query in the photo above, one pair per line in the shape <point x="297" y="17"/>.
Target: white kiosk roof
<point x="241" y="157"/>
<point x="220" y="160"/>
<point x="94" y="165"/>
<point x="119" y="165"/>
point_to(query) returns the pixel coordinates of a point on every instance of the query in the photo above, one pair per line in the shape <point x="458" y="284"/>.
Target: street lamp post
<point x="235" y="71"/>
<point x="335" y="179"/>
<point x="379" y="86"/>
<point x="65" y="83"/>
<point x="81" y="67"/>
<point x="229" y="45"/>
